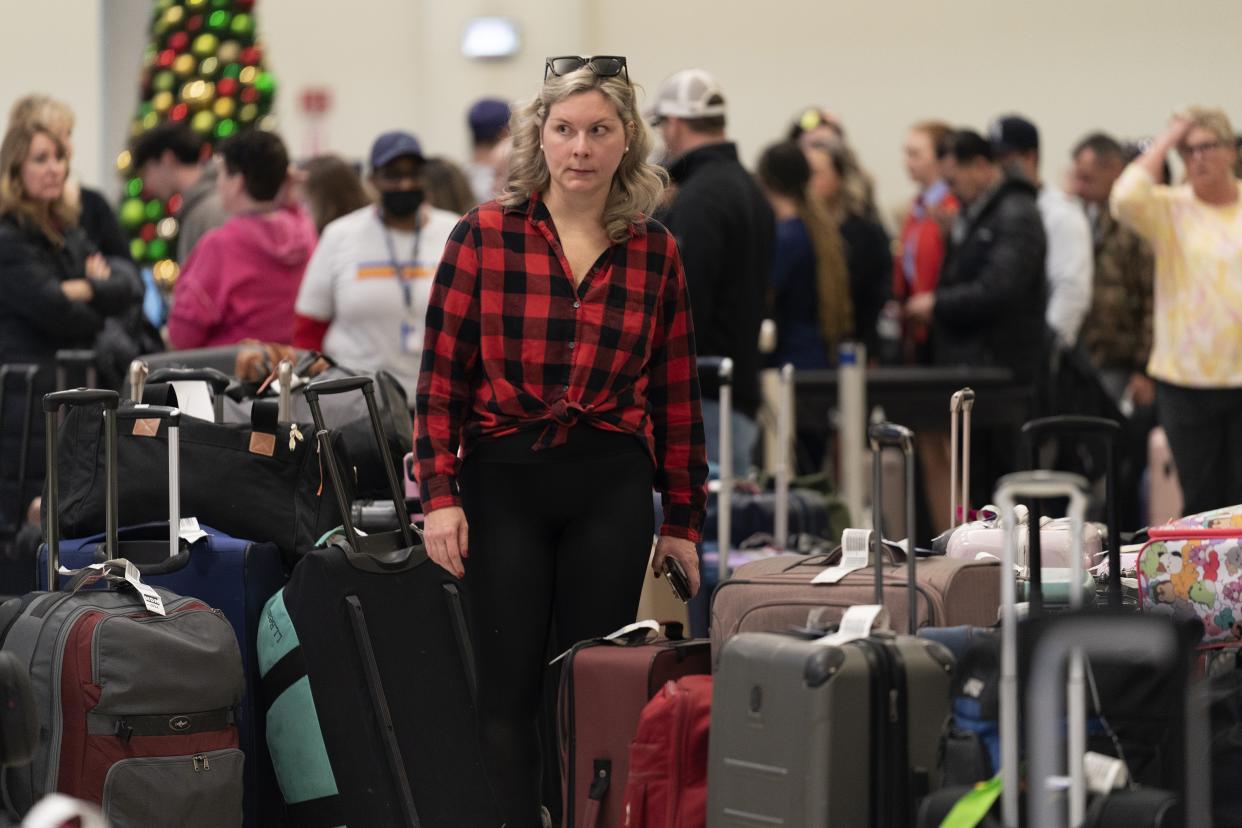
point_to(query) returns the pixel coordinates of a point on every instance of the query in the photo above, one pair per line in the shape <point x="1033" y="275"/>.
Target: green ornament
<point x="144" y="108"/>
<point x="242" y="25"/>
<point x="266" y="84"/>
<point x="133" y="187"/>
<point x="132" y="214"/>
<point x="205" y="45"/>
<point x="203" y="122"/>
<point x="218" y="21"/>
<point x="137" y="249"/>
<point x="156" y="249"/>
<point x="164" y="81"/>
<point x="232" y="70"/>
<point x="150" y="120"/>
<point x="221" y="4"/>
<point x="225" y="128"/>
<point x="154" y="211"/>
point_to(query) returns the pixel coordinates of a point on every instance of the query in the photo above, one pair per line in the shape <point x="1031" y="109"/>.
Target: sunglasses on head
<point x="606" y="66"/>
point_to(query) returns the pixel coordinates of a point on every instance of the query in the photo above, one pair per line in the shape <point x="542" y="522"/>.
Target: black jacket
<point x="725" y="230"/>
<point x="992" y="291"/>
<point x="36" y="319"/>
<point x="869" y="259"/>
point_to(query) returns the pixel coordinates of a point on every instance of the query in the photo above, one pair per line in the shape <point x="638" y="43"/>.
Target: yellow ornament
<point x="162" y="102"/>
<point x="223" y="107"/>
<point x="151" y="120"/>
<point x="165" y="272"/>
<point x="229" y="51"/>
<point x="184" y="65"/>
<point x="267" y="123"/>
<point x="205" y="45"/>
<point x="198" y="94"/>
<point x="209" y="67"/>
<point x="196" y="5"/>
<point x="173" y="16"/>
<point x="123" y="161"/>
<point x="167" y="228"/>
<point x="248" y="75"/>
<point x="203" y="122"/>
<point x="248" y="113"/>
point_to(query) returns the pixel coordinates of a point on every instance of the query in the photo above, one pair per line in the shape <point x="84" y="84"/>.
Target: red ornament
<point x="179" y="41"/>
<point x="178" y="112"/>
<point x="194" y="23"/>
<point x="226" y="87"/>
<point x="249" y="95"/>
<point x="243" y="5"/>
<point x="174" y="204"/>
<point x="251" y="55"/>
<point x="148" y="232"/>
<point x="166" y="58"/>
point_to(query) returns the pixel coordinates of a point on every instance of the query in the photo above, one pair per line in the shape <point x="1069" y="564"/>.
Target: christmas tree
<point x="203" y="66"/>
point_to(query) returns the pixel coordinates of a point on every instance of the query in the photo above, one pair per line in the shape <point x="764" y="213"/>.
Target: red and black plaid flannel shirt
<point x="511" y="344"/>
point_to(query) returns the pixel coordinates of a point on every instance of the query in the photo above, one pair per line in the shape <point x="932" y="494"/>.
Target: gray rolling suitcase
<point x="810" y="733"/>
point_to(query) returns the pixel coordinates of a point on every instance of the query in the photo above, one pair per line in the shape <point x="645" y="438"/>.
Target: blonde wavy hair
<point x="14" y="200"/>
<point x="857" y="192"/>
<point x="58" y="117"/>
<point x="636" y="186"/>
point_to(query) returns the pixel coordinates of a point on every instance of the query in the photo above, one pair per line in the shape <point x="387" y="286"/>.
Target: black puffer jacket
<point x="36" y="318"/>
<point x="725" y="231"/>
<point x="992" y="292"/>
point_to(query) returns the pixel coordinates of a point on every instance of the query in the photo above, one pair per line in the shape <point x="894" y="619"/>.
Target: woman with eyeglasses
<point x="1195" y="231"/>
<point x="559" y="356"/>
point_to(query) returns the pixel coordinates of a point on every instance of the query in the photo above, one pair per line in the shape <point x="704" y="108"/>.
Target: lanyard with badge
<point x="411" y="340"/>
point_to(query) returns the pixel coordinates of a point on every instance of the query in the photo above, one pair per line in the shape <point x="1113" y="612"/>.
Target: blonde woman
<point x="1195" y="231"/>
<point x="559" y="355"/>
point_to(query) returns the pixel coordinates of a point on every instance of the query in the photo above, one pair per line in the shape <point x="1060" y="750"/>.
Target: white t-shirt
<point x="1070" y="262"/>
<point x="351" y="281"/>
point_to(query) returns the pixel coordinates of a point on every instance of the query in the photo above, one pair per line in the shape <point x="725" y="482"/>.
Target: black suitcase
<point x="369" y="677"/>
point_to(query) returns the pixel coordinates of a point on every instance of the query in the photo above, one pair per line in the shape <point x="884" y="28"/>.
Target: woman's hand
<point x="79" y="290"/>
<point x="97" y="267"/>
<point x="445" y="533"/>
<point x="1176" y="131"/>
<point x="686" y="555"/>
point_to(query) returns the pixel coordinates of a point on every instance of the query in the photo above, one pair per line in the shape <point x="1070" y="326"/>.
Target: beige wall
<point x="1070" y="65"/>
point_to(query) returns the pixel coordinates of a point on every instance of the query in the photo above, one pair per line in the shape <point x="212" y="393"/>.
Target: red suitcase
<point x="605" y="684"/>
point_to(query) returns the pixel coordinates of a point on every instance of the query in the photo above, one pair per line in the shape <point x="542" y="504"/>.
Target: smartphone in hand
<point x="677" y="579"/>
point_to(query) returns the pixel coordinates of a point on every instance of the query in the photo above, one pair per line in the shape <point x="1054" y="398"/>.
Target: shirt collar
<point x="537" y="213"/>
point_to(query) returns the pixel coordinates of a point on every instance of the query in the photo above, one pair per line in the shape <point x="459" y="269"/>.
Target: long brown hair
<point x="783" y="170"/>
<point x="332" y="189"/>
<point x="14" y="201"/>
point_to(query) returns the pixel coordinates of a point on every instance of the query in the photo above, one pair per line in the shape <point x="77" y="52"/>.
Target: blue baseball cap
<point x="392" y="145"/>
<point x="487" y="118"/>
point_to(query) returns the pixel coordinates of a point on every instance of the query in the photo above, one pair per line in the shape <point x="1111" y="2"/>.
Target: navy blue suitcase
<point x="231" y="575"/>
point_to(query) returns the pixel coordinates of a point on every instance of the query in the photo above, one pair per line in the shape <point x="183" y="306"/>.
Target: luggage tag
<point x="855" y="549"/>
<point x="150" y="597"/>
<point x="621" y="636"/>
<point x="189" y="530"/>
<point x="858" y="622"/>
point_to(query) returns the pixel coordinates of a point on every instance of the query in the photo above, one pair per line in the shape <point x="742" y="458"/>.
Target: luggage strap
<point x="970" y="810"/>
<point x="158" y="724"/>
<point x="601" y="779"/>
<point x="324" y="812"/>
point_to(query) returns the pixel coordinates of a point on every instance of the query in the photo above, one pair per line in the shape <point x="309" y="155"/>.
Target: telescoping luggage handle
<point x="882" y="436"/>
<point x="960" y="406"/>
<point x="784" y="455"/>
<point x="27" y="375"/>
<point x="1109" y="432"/>
<point x="1151" y="639"/>
<point x="52" y="404"/>
<point x="724" y="497"/>
<point x="372" y="553"/>
<point x="1010" y="487"/>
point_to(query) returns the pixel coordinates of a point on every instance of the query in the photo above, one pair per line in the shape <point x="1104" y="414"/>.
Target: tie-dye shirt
<point x="1198" y="250"/>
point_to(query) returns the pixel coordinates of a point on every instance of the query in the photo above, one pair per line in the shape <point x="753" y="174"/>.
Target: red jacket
<point x="916" y="265"/>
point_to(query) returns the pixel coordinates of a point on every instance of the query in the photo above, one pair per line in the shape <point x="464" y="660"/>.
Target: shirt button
<point x="566" y="387"/>
<point x="577" y="304"/>
<point x="571" y="344"/>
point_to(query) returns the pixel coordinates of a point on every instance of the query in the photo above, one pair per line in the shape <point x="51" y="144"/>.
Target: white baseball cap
<point x="689" y="94"/>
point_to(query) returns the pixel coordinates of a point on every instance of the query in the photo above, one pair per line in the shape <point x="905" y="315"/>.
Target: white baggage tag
<point x="855" y="546"/>
<point x="150" y="597"/>
<point x="858" y="622"/>
<point x="1104" y="773"/>
<point x="189" y="530"/>
<point x="194" y="398"/>
<point x="617" y="636"/>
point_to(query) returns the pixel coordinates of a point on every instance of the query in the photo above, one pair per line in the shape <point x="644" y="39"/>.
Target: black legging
<point x="563" y="531"/>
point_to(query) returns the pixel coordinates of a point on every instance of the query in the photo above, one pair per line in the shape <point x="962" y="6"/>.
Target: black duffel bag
<point x="259" y="481"/>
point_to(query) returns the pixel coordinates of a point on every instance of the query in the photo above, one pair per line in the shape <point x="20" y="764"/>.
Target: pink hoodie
<point x="241" y="281"/>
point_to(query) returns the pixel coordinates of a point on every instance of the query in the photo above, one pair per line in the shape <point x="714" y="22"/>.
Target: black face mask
<point x="401" y="203"/>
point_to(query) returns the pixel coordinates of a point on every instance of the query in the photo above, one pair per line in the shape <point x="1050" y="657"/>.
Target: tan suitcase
<point x="776" y="594"/>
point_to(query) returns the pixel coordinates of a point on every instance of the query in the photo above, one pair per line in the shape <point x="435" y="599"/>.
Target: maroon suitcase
<point x="605" y="684"/>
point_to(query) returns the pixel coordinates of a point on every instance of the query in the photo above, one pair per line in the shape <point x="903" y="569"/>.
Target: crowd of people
<point x="579" y="289"/>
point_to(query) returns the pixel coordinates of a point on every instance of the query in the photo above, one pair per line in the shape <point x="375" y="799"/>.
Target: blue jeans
<point x="745" y="432"/>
